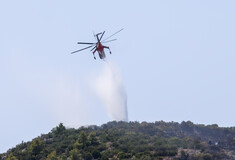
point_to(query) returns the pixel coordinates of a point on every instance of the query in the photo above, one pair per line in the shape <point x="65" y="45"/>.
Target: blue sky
<point x="176" y="59"/>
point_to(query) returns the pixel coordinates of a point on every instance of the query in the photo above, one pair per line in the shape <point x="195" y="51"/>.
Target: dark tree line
<point x="133" y="140"/>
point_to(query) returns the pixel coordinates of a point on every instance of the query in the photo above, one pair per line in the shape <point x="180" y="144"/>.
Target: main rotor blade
<point x="102" y="35"/>
<point x="114" y="34"/>
<point x="93" y="48"/>
<point x="81" y="49"/>
<point x="84" y="43"/>
<point x="109" y="41"/>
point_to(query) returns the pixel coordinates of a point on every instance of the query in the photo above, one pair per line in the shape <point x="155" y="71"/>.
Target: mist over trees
<point x="130" y="140"/>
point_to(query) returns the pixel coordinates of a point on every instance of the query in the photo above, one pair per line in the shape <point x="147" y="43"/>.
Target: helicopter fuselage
<point x="100" y="50"/>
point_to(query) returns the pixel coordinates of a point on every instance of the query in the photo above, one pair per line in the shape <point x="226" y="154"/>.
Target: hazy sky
<point x="176" y="59"/>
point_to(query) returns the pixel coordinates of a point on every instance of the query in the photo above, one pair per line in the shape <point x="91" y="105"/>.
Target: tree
<point x="36" y="148"/>
<point x="87" y="156"/>
<point x="146" y="157"/>
<point x="233" y="141"/>
<point x="92" y="139"/>
<point x="11" y="157"/>
<point x="96" y="154"/>
<point x="60" y="129"/>
<point x="207" y="156"/>
<point x="184" y="156"/>
<point x="82" y="140"/>
<point x="104" y="157"/>
<point x="203" y="156"/>
<point x="52" y="156"/>
<point x="75" y="155"/>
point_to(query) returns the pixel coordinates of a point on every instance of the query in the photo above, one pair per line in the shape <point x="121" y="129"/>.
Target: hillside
<point x="133" y="140"/>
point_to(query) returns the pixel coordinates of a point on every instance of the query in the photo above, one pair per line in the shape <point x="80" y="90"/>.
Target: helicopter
<point x="98" y="46"/>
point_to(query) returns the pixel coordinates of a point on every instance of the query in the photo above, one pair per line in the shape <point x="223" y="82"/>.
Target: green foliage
<point x="36" y="148"/>
<point x="82" y="141"/>
<point x="60" y="129"/>
<point x="203" y="156"/>
<point x="122" y="155"/>
<point x="11" y="157"/>
<point x="96" y="154"/>
<point x="184" y="156"/>
<point x="104" y="156"/>
<point x="92" y="139"/>
<point x="52" y="156"/>
<point x="75" y="155"/>
<point x="87" y="156"/>
<point x="133" y="140"/>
